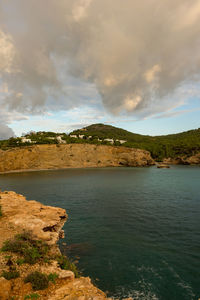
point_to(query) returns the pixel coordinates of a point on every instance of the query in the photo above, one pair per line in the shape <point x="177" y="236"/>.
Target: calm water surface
<point x="135" y="231"/>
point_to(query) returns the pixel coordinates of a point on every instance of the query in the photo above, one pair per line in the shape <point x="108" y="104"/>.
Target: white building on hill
<point x="109" y="140"/>
<point x="25" y="140"/>
<point x="60" y="140"/>
<point x="81" y="136"/>
<point x="121" y="141"/>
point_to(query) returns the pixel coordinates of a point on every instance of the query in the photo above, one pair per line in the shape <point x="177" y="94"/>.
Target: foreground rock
<point x="71" y="156"/>
<point x="44" y="223"/>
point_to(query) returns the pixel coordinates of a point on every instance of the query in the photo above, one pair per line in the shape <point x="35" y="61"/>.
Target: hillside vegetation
<point x="173" y="145"/>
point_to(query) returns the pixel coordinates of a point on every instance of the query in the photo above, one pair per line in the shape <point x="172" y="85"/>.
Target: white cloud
<point x="7" y="53"/>
<point x="62" y="54"/>
<point x="150" y="75"/>
<point x="189" y="14"/>
<point x="80" y="9"/>
<point x="130" y="103"/>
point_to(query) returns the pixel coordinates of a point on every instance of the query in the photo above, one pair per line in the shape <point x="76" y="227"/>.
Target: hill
<point x="107" y="131"/>
<point x="183" y="144"/>
<point x="173" y="145"/>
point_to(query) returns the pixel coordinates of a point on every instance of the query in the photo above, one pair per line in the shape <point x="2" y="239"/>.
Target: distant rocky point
<point x="183" y="160"/>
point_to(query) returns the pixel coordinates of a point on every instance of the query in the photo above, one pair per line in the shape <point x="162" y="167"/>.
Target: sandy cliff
<point x="71" y="156"/>
<point x="42" y="223"/>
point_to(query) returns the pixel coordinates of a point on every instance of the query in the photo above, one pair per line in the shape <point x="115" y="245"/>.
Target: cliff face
<point x="43" y="223"/>
<point x="71" y="156"/>
<point x="182" y="160"/>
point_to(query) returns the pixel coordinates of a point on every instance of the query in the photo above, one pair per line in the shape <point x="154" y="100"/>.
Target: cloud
<point x="5" y="132"/>
<point x="171" y="114"/>
<point x="6" y="119"/>
<point x="136" y="57"/>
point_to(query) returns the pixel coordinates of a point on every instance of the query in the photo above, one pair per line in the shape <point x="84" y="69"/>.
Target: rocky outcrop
<point x="44" y="223"/>
<point x="183" y="160"/>
<point x="71" y="156"/>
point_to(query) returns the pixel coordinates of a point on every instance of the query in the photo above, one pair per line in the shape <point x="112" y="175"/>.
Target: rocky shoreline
<point x="183" y="160"/>
<point x="58" y="157"/>
<point x="51" y="157"/>
<point x="30" y="223"/>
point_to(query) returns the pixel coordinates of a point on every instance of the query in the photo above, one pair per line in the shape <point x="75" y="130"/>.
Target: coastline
<point x="62" y="169"/>
<point x="40" y="225"/>
<point x="67" y="168"/>
<point x="74" y="156"/>
<point x="20" y="216"/>
<point x="52" y="157"/>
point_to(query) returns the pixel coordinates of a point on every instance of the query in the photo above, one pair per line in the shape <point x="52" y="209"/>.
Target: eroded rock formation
<point x="71" y="156"/>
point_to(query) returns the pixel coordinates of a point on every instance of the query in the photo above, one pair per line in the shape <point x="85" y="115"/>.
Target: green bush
<point x="39" y="281"/>
<point x="66" y="264"/>
<point x="32" y="297"/>
<point x="52" y="277"/>
<point x="20" y="261"/>
<point x="10" y="274"/>
<point x="32" y="250"/>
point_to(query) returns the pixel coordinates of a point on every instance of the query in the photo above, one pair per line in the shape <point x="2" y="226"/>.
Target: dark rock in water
<point x="79" y="249"/>
<point x="162" y="166"/>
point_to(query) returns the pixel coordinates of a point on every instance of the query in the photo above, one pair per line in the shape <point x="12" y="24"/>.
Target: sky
<point x="66" y="64"/>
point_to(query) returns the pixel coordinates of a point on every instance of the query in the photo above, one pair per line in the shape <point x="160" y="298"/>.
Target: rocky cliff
<point x="183" y="160"/>
<point x="71" y="156"/>
<point x="28" y="233"/>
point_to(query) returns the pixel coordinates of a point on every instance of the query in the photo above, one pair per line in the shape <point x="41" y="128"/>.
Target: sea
<point x="134" y="231"/>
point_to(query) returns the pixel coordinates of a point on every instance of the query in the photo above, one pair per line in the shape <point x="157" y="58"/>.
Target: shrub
<point x="1" y="214"/>
<point x="66" y="264"/>
<point x="32" y="250"/>
<point x="39" y="281"/>
<point x="20" y="261"/>
<point x="10" y="274"/>
<point x="52" y="277"/>
<point x="32" y="297"/>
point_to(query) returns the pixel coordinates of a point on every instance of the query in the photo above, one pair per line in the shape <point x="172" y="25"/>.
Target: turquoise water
<point x="134" y="231"/>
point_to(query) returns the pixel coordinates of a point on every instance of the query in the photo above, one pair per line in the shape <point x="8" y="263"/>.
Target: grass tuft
<point x="66" y="264"/>
<point x="38" y="280"/>
<point x="33" y="296"/>
<point x="10" y="274"/>
<point x="52" y="277"/>
<point x="23" y="244"/>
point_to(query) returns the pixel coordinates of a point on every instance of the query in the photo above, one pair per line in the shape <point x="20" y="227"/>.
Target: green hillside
<point x="108" y="131"/>
<point x="185" y="143"/>
<point x="173" y="145"/>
